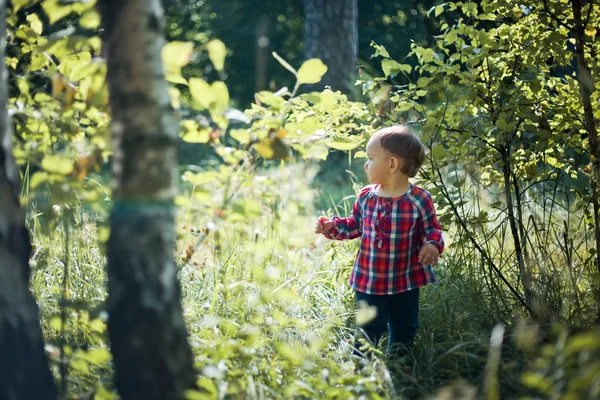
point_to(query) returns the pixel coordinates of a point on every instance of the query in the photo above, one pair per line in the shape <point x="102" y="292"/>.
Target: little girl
<point x="401" y="238"/>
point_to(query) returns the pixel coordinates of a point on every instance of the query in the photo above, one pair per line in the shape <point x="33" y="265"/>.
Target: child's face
<point x="379" y="164"/>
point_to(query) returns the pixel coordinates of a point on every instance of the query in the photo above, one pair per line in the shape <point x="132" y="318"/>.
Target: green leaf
<point x="209" y="390"/>
<point x="201" y="91"/>
<point x="174" y="95"/>
<point x="249" y="208"/>
<point x="97" y="356"/>
<point x="81" y="70"/>
<point x="216" y="53"/>
<point x="241" y="135"/>
<point x="18" y="4"/>
<point x="422" y="82"/>
<point x="58" y="165"/>
<point x="380" y="50"/>
<point x="341" y="144"/>
<point x="439" y="9"/>
<point x="35" y="23"/>
<point x="313" y="97"/>
<point x="269" y="98"/>
<point x="272" y="149"/>
<point x="311" y="71"/>
<point x="531" y="170"/>
<point x="284" y="63"/>
<point x="176" y="78"/>
<point x="176" y="55"/>
<point x="90" y="20"/>
<point x="391" y="68"/>
<point x="79" y="365"/>
<point x="438" y="151"/>
<point x="220" y="96"/>
<point x="37" y="179"/>
<point x="201" y="178"/>
<point x="56" y="11"/>
<point x="197" y="136"/>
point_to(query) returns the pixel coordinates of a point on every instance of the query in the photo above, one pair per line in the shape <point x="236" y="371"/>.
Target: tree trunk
<point x="331" y="34"/>
<point x="148" y="335"/>
<point x="525" y="278"/>
<point x="24" y="372"/>
<point x="586" y="87"/>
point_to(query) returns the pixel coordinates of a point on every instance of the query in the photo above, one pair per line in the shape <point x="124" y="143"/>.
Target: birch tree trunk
<point x="24" y="372"/>
<point x="148" y="335"/>
<point x="331" y="34"/>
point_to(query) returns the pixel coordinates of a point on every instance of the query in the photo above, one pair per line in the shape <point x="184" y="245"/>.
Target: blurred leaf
<point x="176" y="55"/>
<point x="584" y="341"/>
<point x="200" y="178"/>
<point x="216" y="53"/>
<point x="391" y="68"/>
<point x="90" y="20"/>
<point x="341" y="144"/>
<point x="365" y="314"/>
<point x="18" y="4"/>
<point x="249" y="208"/>
<point x="174" y="95"/>
<point x="35" y="23"/>
<point x="284" y="63"/>
<point x="97" y="356"/>
<point x="197" y="136"/>
<point x="220" y="96"/>
<point x="37" y="179"/>
<point x="311" y="71"/>
<point x="269" y="98"/>
<point x="241" y="135"/>
<point x="58" y="165"/>
<point x="176" y="78"/>
<point x="273" y="149"/>
<point x="201" y="91"/>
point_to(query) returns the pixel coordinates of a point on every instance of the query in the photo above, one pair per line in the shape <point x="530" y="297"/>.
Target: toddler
<point x="401" y="238"/>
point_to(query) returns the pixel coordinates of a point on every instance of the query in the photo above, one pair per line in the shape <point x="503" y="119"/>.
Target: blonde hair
<point x="402" y="142"/>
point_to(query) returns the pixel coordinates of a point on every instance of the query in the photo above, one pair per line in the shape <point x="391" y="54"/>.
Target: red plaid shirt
<point x="392" y="232"/>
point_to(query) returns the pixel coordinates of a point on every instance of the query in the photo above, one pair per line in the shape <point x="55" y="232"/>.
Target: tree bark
<point x="586" y="87"/>
<point x="331" y="34"/>
<point x="525" y="278"/>
<point x="153" y="359"/>
<point x="24" y="372"/>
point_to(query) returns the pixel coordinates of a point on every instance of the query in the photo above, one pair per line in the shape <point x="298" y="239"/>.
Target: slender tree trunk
<point x="525" y="278"/>
<point x="586" y="87"/>
<point x="24" y="372"/>
<point x="331" y="34"/>
<point x="148" y="335"/>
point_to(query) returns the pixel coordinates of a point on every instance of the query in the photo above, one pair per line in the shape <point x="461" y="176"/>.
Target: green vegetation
<point x="504" y="96"/>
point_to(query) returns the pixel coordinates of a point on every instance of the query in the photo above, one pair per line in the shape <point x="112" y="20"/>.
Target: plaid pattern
<point x="392" y="232"/>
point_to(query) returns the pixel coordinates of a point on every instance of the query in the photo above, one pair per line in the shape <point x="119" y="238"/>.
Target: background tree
<point x="24" y="372"/>
<point x="331" y="34"/>
<point x="146" y="327"/>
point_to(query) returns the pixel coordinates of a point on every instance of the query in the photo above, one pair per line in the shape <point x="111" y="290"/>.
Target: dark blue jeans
<point x="398" y="312"/>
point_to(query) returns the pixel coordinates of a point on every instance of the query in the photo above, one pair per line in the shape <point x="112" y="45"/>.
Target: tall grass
<point x="270" y="314"/>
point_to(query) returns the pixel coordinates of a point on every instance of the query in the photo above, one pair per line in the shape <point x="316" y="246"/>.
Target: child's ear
<point x="394" y="164"/>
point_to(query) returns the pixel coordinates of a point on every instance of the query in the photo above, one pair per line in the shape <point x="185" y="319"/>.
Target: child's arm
<point x="433" y="244"/>
<point x="337" y="228"/>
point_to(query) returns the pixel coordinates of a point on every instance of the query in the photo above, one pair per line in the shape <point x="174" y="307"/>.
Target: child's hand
<point x="324" y="225"/>
<point x="429" y="254"/>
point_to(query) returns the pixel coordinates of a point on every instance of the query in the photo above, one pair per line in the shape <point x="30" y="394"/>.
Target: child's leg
<point x="373" y="329"/>
<point x="403" y="321"/>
